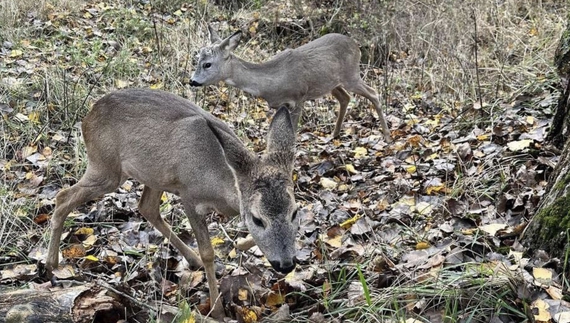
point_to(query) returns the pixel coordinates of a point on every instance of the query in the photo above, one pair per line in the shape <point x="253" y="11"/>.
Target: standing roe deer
<point x="169" y="144"/>
<point x="329" y="64"/>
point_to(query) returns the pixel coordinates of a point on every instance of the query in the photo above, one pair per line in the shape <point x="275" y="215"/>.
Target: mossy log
<point x="61" y="305"/>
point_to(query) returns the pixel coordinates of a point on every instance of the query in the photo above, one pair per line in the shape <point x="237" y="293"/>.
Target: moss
<point x="554" y="219"/>
<point x="560" y="185"/>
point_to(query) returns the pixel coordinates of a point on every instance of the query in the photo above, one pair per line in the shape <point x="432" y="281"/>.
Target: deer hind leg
<point x="366" y="91"/>
<point x="343" y="98"/>
<point x="93" y="184"/>
<point x="149" y="207"/>
<point x="200" y="228"/>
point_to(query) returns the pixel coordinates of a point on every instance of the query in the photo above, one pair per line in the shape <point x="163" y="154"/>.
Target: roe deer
<point x="329" y="64"/>
<point x="169" y="144"/>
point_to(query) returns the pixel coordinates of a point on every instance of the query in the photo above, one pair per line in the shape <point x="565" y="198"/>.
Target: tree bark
<point x="550" y="227"/>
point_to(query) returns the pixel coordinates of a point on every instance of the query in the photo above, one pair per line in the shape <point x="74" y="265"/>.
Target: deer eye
<point x="207" y="65"/>
<point x="257" y="221"/>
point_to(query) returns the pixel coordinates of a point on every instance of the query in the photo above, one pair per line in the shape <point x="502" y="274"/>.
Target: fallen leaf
<point x="64" y="272"/>
<point x="15" y="53"/>
<point x="540" y="311"/>
<point x="360" y="152"/>
<point x="562" y="317"/>
<point x="542" y="275"/>
<point x="519" y="145"/>
<point x="328" y="183"/>
<point x="422" y="245"/>
<point x="84" y="231"/>
<point x="350" y="168"/>
<point x="554" y="292"/>
<point x="243" y="294"/>
<point x="492" y="228"/>
<point x="348" y="223"/>
<point x="74" y="251"/>
<point x="91" y="258"/>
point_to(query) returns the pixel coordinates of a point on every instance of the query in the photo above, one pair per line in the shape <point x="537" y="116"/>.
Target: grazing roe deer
<point x="169" y="144"/>
<point x="329" y="64"/>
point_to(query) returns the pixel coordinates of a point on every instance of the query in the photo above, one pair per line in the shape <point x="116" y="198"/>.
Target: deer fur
<point x="329" y="64"/>
<point x="169" y="144"/>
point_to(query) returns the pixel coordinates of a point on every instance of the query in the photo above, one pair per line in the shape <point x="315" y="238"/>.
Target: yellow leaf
<point x="422" y="245"/>
<point x="252" y="29"/>
<point x="350" y="168"/>
<point x="540" y="311"/>
<point x="164" y="197"/>
<point x="16" y="53"/>
<point x="411" y="169"/>
<point x="274" y="299"/>
<point x="216" y="241"/>
<point x="436" y="189"/>
<point x="533" y="31"/>
<point x="328" y="183"/>
<point x="121" y="84"/>
<point x="483" y="137"/>
<point x="233" y="253"/>
<point x="34" y="117"/>
<point x="530" y="120"/>
<point x="348" y="223"/>
<point x="360" y="152"/>
<point x="249" y="316"/>
<point x="243" y="294"/>
<point x="91" y="257"/>
<point x="158" y="85"/>
<point x="542" y="274"/>
<point x="84" y="231"/>
<point x="468" y="232"/>
<point x="188" y="319"/>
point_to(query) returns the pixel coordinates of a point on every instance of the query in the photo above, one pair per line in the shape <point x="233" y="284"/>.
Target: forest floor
<point x="424" y="229"/>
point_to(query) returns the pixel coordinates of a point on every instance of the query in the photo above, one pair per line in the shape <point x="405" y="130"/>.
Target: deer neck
<point x="255" y="79"/>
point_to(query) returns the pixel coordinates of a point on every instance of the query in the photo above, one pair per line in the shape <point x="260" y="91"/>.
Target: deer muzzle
<point x="284" y="266"/>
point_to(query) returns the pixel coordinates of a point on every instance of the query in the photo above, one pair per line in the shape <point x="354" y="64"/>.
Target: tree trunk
<point x="550" y="227"/>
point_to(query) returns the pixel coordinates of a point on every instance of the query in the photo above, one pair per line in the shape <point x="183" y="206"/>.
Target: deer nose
<point x="284" y="266"/>
<point x="194" y="83"/>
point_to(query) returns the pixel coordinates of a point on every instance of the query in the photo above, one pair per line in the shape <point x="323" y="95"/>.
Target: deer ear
<point x="229" y="44"/>
<point x="214" y="38"/>
<point x="281" y="138"/>
<point x="237" y="156"/>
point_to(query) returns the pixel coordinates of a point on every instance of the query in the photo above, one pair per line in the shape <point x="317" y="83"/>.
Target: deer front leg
<point x="200" y="228"/>
<point x="149" y="207"/>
